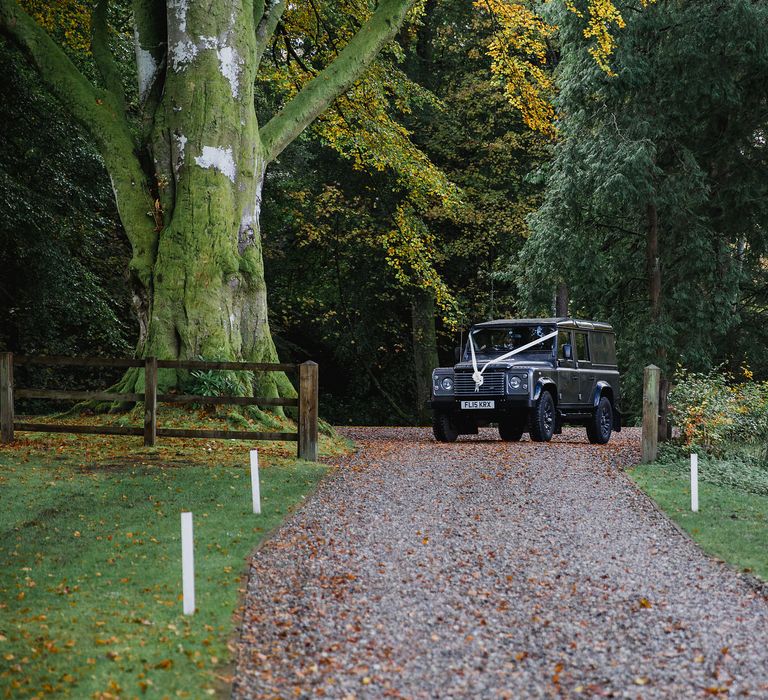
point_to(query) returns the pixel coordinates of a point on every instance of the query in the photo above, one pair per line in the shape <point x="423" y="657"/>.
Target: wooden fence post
<point x="150" y="401"/>
<point x="6" y="397"/>
<point x="650" y="439"/>
<point x="308" y="373"/>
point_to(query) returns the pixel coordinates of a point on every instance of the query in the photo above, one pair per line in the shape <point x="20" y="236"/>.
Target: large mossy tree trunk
<point x="188" y="189"/>
<point x="207" y="296"/>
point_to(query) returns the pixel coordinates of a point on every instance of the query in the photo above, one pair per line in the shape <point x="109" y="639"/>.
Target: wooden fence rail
<point x="306" y="437"/>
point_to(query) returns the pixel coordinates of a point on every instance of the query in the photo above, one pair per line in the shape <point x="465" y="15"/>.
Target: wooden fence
<point x="306" y="437"/>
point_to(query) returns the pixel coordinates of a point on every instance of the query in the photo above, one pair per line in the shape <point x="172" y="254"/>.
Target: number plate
<point x="478" y="404"/>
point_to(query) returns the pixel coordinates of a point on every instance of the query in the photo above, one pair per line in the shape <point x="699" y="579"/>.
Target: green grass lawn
<point x="90" y="560"/>
<point x="732" y="524"/>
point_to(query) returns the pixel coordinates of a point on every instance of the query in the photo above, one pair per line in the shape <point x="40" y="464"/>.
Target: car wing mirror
<point x="568" y="351"/>
<point x="457" y="354"/>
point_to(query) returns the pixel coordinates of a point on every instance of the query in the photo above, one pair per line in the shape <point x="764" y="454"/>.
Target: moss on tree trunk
<point x="189" y="188"/>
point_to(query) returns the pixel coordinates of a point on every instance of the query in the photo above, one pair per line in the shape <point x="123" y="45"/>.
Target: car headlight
<point x="442" y="384"/>
<point x="517" y="383"/>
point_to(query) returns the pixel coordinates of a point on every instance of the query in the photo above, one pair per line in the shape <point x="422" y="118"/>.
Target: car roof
<point x="562" y="322"/>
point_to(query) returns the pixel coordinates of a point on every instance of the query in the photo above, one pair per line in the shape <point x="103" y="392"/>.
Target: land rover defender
<point x="530" y="375"/>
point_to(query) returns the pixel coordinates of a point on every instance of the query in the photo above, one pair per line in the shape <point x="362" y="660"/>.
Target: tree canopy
<point x="655" y="204"/>
<point x="448" y="163"/>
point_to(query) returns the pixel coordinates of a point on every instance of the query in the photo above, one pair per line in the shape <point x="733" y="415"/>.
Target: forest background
<point x="442" y="190"/>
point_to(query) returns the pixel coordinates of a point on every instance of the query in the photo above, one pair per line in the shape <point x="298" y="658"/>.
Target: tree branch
<point x="98" y="111"/>
<point x="59" y="73"/>
<point x="150" y="42"/>
<point x="337" y="78"/>
<point x="102" y="55"/>
<point x="292" y="52"/>
<point x="266" y="15"/>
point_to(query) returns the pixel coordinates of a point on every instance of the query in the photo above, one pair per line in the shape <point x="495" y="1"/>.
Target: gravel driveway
<point x="484" y="569"/>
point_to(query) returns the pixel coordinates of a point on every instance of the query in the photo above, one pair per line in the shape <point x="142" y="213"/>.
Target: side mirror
<point x="568" y="351"/>
<point x="457" y="354"/>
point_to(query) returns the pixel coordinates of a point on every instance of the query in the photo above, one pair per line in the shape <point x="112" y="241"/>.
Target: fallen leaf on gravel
<point x="556" y="675"/>
<point x="596" y="690"/>
<point x="498" y="571"/>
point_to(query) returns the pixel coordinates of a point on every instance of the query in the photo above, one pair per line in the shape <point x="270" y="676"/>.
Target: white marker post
<point x="255" y="488"/>
<point x="695" y="483"/>
<point x="187" y="564"/>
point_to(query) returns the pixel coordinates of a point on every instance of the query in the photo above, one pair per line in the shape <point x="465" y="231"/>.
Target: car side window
<point x="597" y="348"/>
<point x="582" y="347"/>
<point x="563" y="338"/>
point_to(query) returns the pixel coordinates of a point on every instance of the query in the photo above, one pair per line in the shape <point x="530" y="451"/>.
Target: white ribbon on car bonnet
<point x="477" y="375"/>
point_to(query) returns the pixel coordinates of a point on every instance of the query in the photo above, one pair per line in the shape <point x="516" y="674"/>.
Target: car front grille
<point x="493" y="384"/>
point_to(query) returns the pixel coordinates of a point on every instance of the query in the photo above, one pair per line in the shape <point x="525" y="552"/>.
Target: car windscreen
<point x="497" y="341"/>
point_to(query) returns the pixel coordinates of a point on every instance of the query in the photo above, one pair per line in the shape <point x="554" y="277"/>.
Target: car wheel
<point x="542" y="418"/>
<point x="510" y="430"/>
<point x="444" y="428"/>
<point x="601" y="424"/>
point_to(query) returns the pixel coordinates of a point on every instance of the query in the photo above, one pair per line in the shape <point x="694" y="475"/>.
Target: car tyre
<point x="601" y="424"/>
<point x="542" y="419"/>
<point x="510" y="430"/>
<point x="444" y="428"/>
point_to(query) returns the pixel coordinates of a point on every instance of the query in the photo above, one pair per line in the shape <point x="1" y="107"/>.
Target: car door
<point x="567" y="374"/>
<point x="587" y="377"/>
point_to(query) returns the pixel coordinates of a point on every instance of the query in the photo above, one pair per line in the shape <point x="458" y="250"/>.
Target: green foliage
<point x="61" y="251"/>
<point x="215" y="382"/>
<point x="725" y="421"/>
<point x="349" y="253"/>
<point x="334" y="297"/>
<point x="486" y="148"/>
<point x="677" y="131"/>
<point x="715" y="413"/>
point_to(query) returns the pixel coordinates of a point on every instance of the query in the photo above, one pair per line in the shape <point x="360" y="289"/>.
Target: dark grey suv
<point x="530" y="375"/>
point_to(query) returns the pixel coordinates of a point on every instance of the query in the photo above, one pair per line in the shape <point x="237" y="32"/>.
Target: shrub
<point x="714" y="411"/>
<point x="218" y="383"/>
